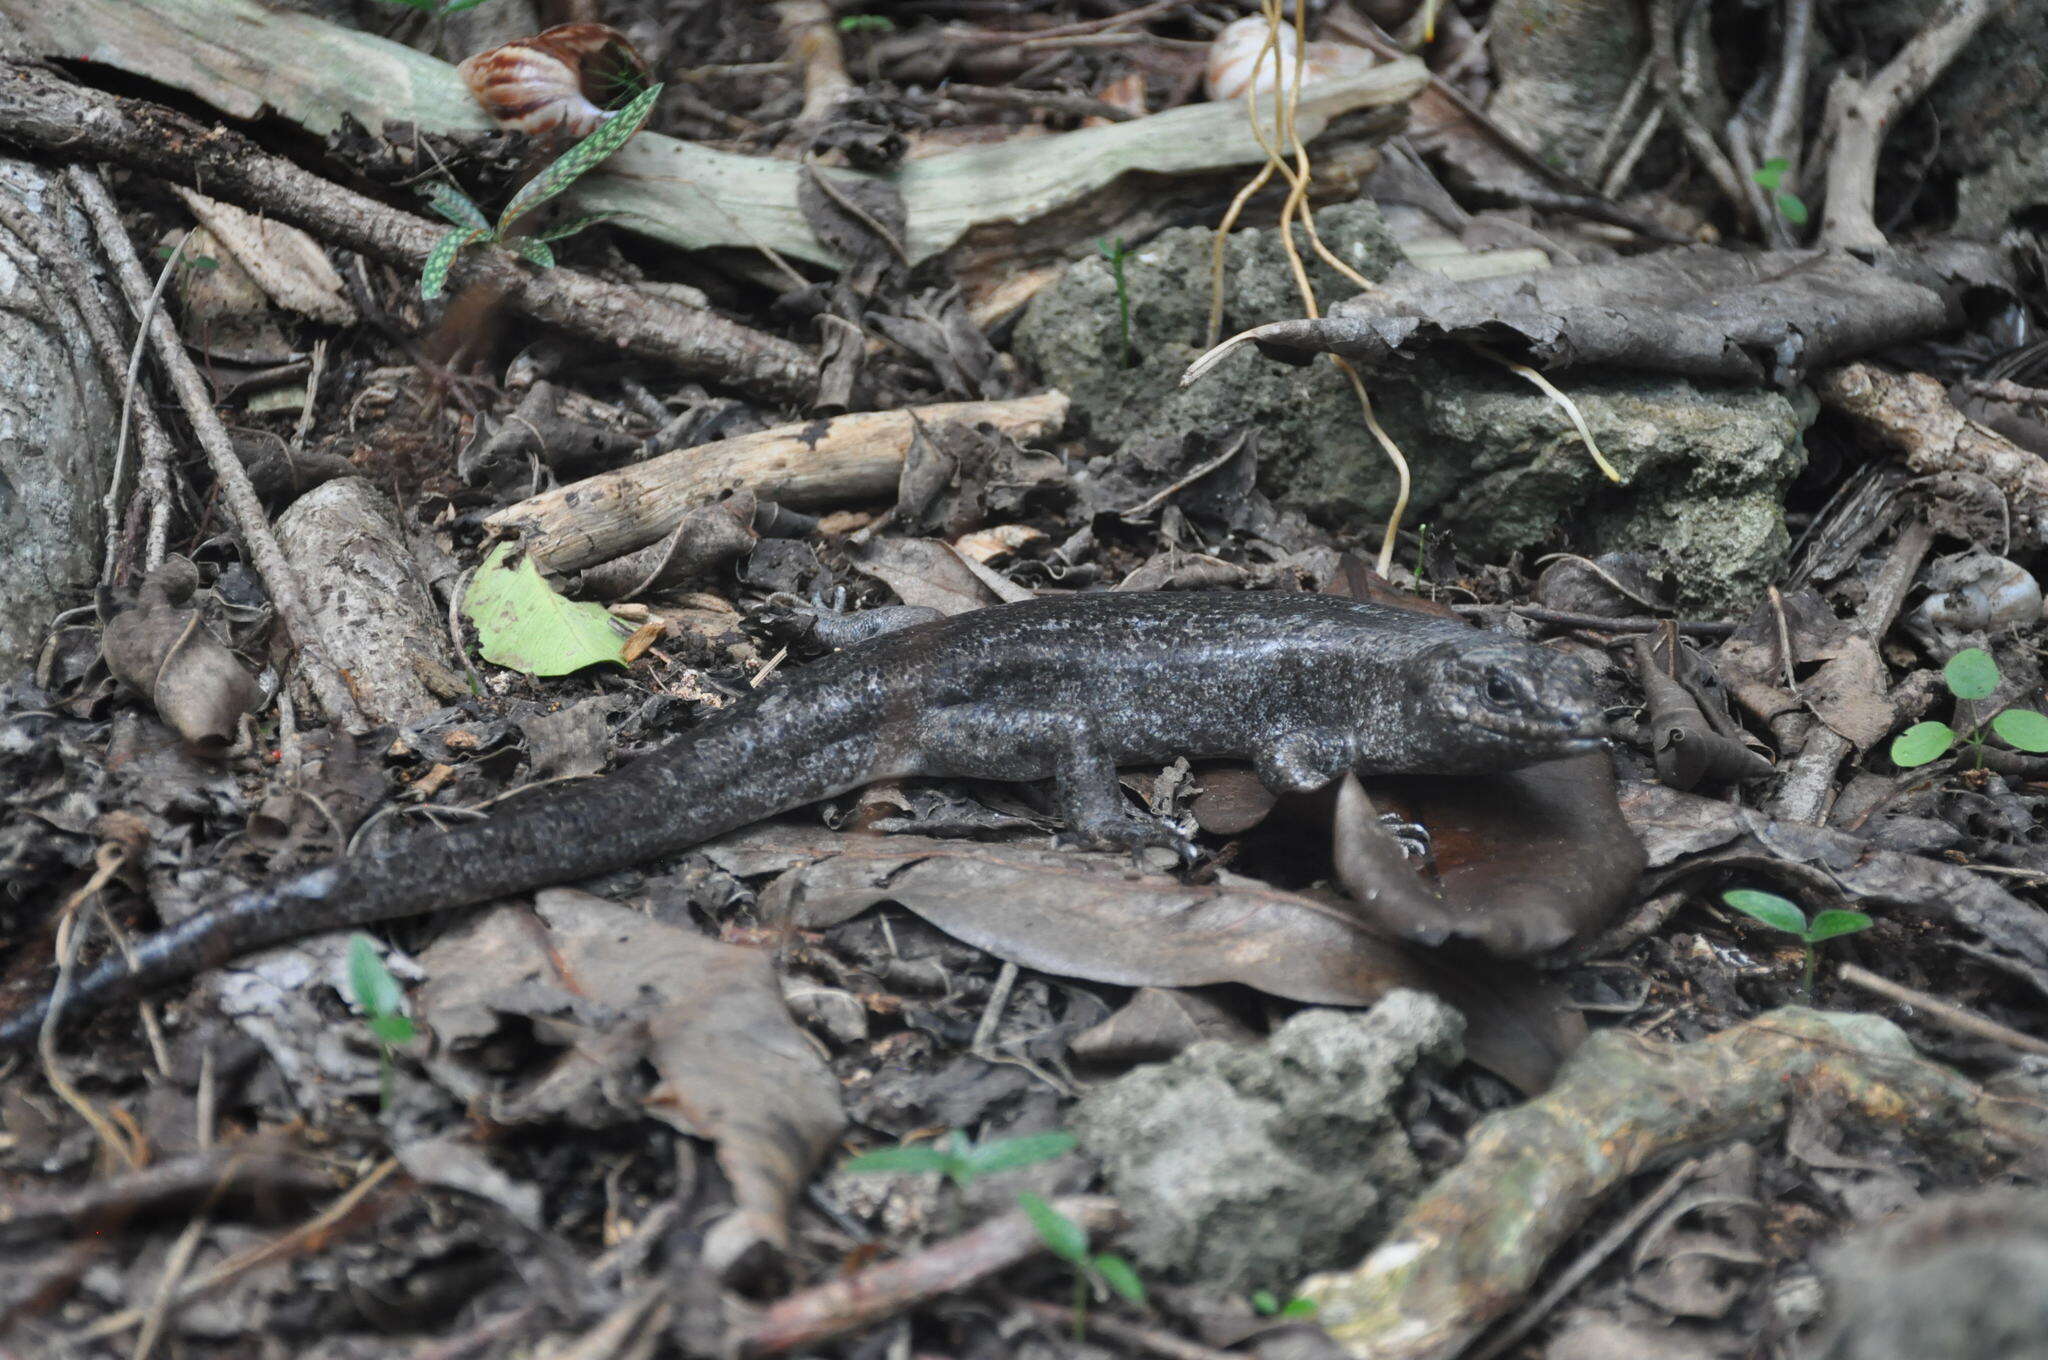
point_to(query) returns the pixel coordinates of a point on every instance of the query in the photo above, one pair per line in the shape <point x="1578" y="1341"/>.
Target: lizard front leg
<point x="979" y="741"/>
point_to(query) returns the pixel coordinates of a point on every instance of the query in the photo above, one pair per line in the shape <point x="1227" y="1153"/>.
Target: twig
<point x="1865" y="111"/>
<point x="1780" y="140"/>
<point x="811" y="36"/>
<point x="41" y="112"/>
<point x="1597" y="623"/>
<point x="868" y="1296"/>
<point x="278" y="576"/>
<point x="1130" y="1333"/>
<point x="1943" y="1012"/>
<point x="1664" y="48"/>
<point x="1052" y="101"/>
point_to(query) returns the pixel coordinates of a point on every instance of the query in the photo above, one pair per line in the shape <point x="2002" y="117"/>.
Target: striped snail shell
<point x="559" y="79"/>
<point x="1235" y="53"/>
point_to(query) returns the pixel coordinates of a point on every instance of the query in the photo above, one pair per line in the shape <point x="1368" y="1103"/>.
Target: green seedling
<point x="961" y="1161"/>
<point x="866" y="23"/>
<point x="383" y="1005"/>
<point x="1776" y="912"/>
<point x="1971" y="676"/>
<point x="198" y="264"/>
<point x="1267" y="1304"/>
<point x="1068" y="1240"/>
<point x="472" y="227"/>
<point x="1771" y="175"/>
<point x="1116" y="253"/>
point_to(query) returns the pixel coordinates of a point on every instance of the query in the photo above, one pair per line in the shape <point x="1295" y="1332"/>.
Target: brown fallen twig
<point x="1478" y="1238"/>
<point x="879" y="1292"/>
<point x="41" y="112"/>
<point x="1945" y="1013"/>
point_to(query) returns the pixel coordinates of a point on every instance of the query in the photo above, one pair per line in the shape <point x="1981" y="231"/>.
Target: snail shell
<point x="1234" y="55"/>
<point x="557" y="80"/>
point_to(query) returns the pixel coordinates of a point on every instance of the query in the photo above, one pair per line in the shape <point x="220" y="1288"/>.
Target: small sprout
<point x="382" y="1002"/>
<point x="1068" y="1240"/>
<point x="866" y="23"/>
<point x="961" y="1161"/>
<point x="1266" y="1304"/>
<point x="1971" y="676"/>
<point x="1116" y="253"/>
<point x="1780" y="914"/>
<point x="1771" y="175"/>
<point x="197" y="263"/>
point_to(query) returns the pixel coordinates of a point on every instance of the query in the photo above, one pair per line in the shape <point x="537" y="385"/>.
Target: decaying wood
<point x="243" y="57"/>
<point x="1910" y="415"/>
<point x="41" y="111"/>
<point x="1470" y="1248"/>
<point x="807" y="466"/>
<point x="869" y="1296"/>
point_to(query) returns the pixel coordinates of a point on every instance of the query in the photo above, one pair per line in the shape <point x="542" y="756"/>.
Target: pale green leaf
<point x="1299" y="1310"/>
<point x="434" y="274"/>
<point x="377" y="992"/>
<point x="1767" y="907"/>
<point x="1772" y="172"/>
<point x="1011" y="1153"/>
<point x="1829" y="924"/>
<point x="392" y="1029"/>
<point x="581" y="158"/>
<point x="1064" y="1237"/>
<point x="1116" y="1272"/>
<point x="1921" y="743"/>
<point x="897" y="1160"/>
<point x="2022" y="728"/>
<point x="1971" y="674"/>
<point x="573" y="225"/>
<point x="1264" y="1302"/>
<point x="1793" y="207"/>
<point x="457" y="207"/>
<point x="536" y="250"/>
<point x="523" y="624"/>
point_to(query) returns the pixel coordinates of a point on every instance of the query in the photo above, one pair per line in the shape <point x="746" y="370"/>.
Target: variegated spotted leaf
<point x="569" y="228"/>
<point x="434" y="274"/>
<point x="581" y="158"/>
<point x="536" y="250"/>
<point x="457" y="206"/>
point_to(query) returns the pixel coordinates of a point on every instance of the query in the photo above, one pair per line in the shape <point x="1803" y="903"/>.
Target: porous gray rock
<point x="1244" y="1167"/>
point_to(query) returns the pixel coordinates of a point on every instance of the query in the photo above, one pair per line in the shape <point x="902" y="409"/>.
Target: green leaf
<point x="1829" y="924"/>
<point x="574" y="225"/>
<point x="1921" y="743"/>
<point x="1971" y="674"/>
<point x="581" y="158"/>
<point x="377" y="992"/>
<point x="1264" y="1303"/>
<point x="456" y="206"/>
<point x="897" y="1159"/>
<point x="1011" y="1153"/>
<point x="1299" y="1310"/>
<point x="434" y="274"/>
<point x="1116" y="1272"/>
<point x="2022" y="728"/>
<point x="1772" y="172"/>
<point x="1767" y="907"/>
<point x="1064" y="1237"/>
<point x="523" y="624"/>
<point x="536" y="250"/>
<point x="1793" y="208"/>
<point x="392" y="1029"/>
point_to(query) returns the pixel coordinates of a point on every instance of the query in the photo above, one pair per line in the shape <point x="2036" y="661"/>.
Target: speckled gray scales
<point x="1304" y="686"/>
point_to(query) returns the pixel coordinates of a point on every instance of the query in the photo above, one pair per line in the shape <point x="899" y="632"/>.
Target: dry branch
<point x="812" y="465"/>
<point x="1469" y="1249"/>
<point x="46" y="114"/>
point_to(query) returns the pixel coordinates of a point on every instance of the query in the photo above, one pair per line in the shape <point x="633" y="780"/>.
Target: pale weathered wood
<point x="812" y="465"/>
<point x="241" y="57"/>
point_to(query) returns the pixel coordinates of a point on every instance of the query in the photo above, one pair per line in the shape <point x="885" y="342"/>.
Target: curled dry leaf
<point x="1241" y="53"/>
<point x="564" y="78"/>
<point x="1085" y="916"/>
<point x="1526" y="862"/>
<point x="1685" y="743"/>
<point x="163" y="650"/>
<point x="734" y="1067"/>
<point x="925" y="571"/>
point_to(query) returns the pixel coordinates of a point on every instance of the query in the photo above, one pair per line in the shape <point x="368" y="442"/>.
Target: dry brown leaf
<point x="163" y="651"/>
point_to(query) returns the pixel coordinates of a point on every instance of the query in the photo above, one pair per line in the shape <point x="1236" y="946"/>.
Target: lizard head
<point x="1499" y="704"/>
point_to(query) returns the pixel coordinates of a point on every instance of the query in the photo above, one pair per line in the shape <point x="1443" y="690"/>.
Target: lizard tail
<point x="657" y="806"/>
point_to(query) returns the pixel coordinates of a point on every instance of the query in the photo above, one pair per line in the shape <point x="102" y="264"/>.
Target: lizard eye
<point x="1498" y="690"/>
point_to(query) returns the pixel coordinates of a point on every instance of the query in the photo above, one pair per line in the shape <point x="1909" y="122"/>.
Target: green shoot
<point x="1771" y="175"/>
<point x="198" y="264"/>
<point x="866" y="23"/>
<point x="382" y="1001"/>
<point x="1266" y="1304"/>
<point x="1776" y="912"/>
<point x="1971" y="676"/>
<point x="961" y="1161"/>
<point x="471" y="226"/>
<point x="1116" y="253"/>
<point x="1068" y="1240"/>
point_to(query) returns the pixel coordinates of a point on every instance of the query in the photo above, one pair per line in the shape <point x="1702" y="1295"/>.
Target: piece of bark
<point x="1471" y="1247"/>
<point x="815" y="465"/>
<point x="39" y="110"/>
<point x="363" y="585"/>
<point x="1910" y="414"/>
<point x="245" y="58"/>
<point x="704" y="540"/>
